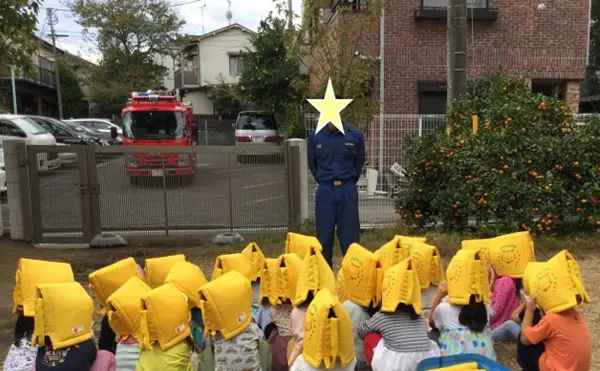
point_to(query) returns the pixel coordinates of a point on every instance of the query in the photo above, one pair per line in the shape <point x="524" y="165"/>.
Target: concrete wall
<point x="201" y="104"/>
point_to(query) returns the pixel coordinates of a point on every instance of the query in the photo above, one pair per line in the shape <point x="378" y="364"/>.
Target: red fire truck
<point x="158" y="118"/>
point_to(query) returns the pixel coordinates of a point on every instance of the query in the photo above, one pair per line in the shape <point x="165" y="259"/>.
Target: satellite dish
<point x="228" y="15"/>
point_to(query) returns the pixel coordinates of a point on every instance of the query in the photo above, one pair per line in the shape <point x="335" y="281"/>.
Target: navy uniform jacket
<point x="335" y="156"/>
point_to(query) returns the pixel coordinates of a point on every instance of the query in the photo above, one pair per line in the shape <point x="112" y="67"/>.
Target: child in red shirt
<point x="566" y="338"/>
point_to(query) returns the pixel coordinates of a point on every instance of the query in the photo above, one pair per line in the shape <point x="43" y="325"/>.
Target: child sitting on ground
<point x="66" y="342"/>
<point x="189" y="278"/>
<point x="123" y="311"/>
<point x="235" y="340"/>
<point x="261" y="310"/>
<point x="463" y="320"/>
<point x="428" y="265"/>
<point x="327" y="336"/>
<point x="166" y="343"/>
<point x="359" y="270"/>
<point x="405" y="342"/>
<point x="556" y="286"/>
<point x="507" y="284"/>
<point x="21" y="355"/>
<point x="278" y="344"/>
<point x="30" y="273"/>
<point x="315" y="274"/>
<point x="103" y="283"/>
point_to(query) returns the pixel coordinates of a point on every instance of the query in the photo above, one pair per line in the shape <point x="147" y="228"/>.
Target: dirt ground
<point x="203" y="254"/>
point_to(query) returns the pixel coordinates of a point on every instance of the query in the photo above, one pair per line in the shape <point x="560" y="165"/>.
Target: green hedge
<point x="530" y="167"/>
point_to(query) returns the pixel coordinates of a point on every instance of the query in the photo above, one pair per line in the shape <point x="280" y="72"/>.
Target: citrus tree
<point x="531" y="166"/>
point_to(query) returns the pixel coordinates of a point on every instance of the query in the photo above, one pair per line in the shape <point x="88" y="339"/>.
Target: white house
<point x="209" y="59"/>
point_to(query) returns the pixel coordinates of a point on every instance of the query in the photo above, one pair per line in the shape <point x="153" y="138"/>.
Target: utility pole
<point x="381" y="94"/>
<point x="456" y="60"/>
<point x="290" y="15"/>
<point x="202" y="12"/>
<point x="53" y="20"/>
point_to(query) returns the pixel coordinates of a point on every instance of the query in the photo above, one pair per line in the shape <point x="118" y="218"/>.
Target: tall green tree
<point x="18" y="19"/>
<point x="344" y="51"/>
<point x="72" y="97"/>
<point x="271" y="71"/>
<point x="130" y="34"/>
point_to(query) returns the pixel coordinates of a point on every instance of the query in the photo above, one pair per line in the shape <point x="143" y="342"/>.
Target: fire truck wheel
<point x="135" y="181"/>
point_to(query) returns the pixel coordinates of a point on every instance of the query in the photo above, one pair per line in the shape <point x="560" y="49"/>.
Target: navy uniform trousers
<point x="337" y="205"/>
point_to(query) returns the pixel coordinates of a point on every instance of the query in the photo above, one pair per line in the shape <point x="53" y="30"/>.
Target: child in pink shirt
<point x="506" y="297"/>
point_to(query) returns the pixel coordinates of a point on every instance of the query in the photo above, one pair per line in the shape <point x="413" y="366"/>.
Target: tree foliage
<point x="530" y="167"/>
<point x="72" y="97"/>
<point x="271" y="71"/>
<point x="226" y="98"/>
<point x="129" y="34"/>
<point x="18" y="20"/>
<point x="343" y="51"/>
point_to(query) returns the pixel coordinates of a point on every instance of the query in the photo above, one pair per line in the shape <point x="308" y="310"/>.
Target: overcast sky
<point x="248" y="13"/>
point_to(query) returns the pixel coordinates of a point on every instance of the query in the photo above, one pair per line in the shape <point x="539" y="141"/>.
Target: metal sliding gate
<point x="103" y="189"/>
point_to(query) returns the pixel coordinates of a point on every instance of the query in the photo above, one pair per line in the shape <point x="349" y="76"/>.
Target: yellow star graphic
<point x="329" y="109"/>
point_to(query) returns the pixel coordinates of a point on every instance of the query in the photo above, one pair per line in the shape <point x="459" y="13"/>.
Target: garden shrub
<point x="530" y="167"/>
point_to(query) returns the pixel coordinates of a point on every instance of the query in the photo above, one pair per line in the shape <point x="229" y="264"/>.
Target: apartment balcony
<point x="188" y="78"/>
<point x="40" y="76"/>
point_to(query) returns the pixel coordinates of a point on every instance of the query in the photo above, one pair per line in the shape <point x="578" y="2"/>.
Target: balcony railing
<point x="444" y="4"/>
<point x="40" y="75"/>
<point x="190" y="78"/>
<point x="479" y="10"/>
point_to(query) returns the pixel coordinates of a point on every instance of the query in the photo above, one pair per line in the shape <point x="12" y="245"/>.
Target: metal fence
<point x="213" y="131"/>
<point x="381" y="181"/>
<point x="234" y="187"/>
<point x="230" y="189"/>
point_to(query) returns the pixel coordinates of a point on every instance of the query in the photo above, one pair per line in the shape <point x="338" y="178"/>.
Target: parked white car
<point x="100" y="125"/>
<point x="19" y="127"/>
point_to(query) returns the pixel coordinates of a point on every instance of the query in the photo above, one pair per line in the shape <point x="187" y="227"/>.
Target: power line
<point x="57" y="9"/>
<point x="186" y="3"/>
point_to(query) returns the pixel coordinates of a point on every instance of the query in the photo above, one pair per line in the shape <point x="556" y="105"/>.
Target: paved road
<point x="258" y="190"/>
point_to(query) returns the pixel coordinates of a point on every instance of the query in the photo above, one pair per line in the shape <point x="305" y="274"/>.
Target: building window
<point x="444" y="3"/>
<point x="549" y="87"/>
<point x="236" y="65"/>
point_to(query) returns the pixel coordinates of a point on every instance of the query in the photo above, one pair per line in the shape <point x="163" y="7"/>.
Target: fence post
<point x="15" y="151"/>
<point x="230" y="188"/>
<point x="297" y="177"/>
<point x="94" y="191"/>
<point x="84" y="192"/>
<point x="165" y="196"/>
<point x="205" y="132"/>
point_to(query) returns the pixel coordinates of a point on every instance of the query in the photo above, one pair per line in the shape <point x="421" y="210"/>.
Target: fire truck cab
<point x="158" y="118"/>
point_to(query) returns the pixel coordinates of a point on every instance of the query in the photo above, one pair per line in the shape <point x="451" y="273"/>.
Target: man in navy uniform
<point x="336" y="160"/>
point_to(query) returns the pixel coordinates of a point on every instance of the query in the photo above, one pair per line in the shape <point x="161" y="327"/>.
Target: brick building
<point x="549" y="48"/>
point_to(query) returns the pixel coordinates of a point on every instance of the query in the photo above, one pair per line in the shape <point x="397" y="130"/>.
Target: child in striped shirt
<point x="404" y="339"/>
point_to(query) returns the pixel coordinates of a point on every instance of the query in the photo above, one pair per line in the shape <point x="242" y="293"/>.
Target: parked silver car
<point x="101" y="125"/>
<point x="257" y="128"/>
